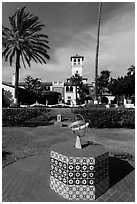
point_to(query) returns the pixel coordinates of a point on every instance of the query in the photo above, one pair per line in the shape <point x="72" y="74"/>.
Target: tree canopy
<point x="81" y="89"/>
<point x="124" y="85"/>
<point x="103" y="81"/>
<point x="23" y="42"/>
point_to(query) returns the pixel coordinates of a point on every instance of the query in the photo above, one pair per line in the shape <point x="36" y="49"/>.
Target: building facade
<point x="66" y="89"/>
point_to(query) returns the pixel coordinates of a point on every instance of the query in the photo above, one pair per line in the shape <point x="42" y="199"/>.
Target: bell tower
<point x="77" y="64"/>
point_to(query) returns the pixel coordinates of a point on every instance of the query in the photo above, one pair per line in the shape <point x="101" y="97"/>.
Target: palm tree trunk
<point x="97" y="52"/>
<point x="17" y="77"/>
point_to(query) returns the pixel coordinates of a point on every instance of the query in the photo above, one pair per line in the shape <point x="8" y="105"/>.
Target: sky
<point x="72" y="29"/>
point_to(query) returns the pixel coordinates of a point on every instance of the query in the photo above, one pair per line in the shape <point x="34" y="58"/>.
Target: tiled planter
<point x="77" y="177"/>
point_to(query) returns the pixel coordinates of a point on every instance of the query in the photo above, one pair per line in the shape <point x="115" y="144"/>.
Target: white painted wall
<point x="77" y="70"/>
<point x="76" y="65"/>
<point x="11" y="90"/>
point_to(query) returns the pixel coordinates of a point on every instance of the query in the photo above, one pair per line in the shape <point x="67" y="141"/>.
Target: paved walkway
<point x="27" y="180"/>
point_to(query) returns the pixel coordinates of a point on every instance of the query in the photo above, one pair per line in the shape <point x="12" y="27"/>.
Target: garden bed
<point x="108" y="118"/>
<point x="22" y="116"/>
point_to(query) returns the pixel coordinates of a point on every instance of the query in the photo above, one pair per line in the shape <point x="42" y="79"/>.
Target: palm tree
<point x="76" y="81"/>
<point x="97" y="52"/>
<point x="23" y="42"/>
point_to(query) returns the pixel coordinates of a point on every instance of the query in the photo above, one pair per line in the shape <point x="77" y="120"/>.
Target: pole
<point x="97" y="52"/>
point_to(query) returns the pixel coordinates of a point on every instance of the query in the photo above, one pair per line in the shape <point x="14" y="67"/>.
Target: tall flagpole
<point x="97" y="52"/>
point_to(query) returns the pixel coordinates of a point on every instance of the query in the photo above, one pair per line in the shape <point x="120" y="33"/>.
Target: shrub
<point x="90" y="105"/>
<point x="19" y="116"/>
<point x="41" y="120"/>
<point x="108" y="118"/>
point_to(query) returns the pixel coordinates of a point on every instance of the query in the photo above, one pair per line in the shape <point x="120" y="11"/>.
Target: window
<point x="71" y="89"/>
<point x="75" y="62"/>
<point x="67" y="89"/>
<point x="78" y="61"/>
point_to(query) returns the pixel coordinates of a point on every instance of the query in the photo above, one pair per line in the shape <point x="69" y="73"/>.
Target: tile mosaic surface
<point x="79" y="177"/>
<point x="72" y="191"/>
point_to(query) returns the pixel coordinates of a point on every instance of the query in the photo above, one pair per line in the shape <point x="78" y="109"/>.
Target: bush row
<point x="20" y="116"/>
<point x="108" y="118"/>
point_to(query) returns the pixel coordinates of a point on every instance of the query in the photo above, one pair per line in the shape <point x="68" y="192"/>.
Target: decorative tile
<point x="77" y="167"/>
<point x="79" y="178"/>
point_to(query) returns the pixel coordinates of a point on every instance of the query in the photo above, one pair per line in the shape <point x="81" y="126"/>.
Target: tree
<point x="124" y="86"/>
<point x="51" y="97"/>
<point x="131" y="70"/>
<point x="76" y="80"/>
<point x="33" y="87"/>
<point x="81" y="88"/>
<point x="83" y="92"/>
<point x="103" y="82"/>
<point x="23" y="42"/>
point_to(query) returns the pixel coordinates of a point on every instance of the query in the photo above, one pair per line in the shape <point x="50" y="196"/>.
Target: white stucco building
<point x="67" y="91"/>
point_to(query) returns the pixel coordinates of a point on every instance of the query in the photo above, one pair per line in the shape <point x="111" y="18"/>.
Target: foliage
<point x="123" y="85"/>
<point x="81" y="88"/>
<point x="23" y="42"/>
<point x="33" y="87"/>
<point x="83" y="92"/>
<point x="131" y="70"/>
<point x="103" y="81"/>
<point x="18" y="116"/>
<point x="39" y="93"/>
<point x="22" y="36"/>
<point x="108" y="118"/>
<point x="50" y="96"/>
<point x="76" y="80"/>
<point x="6" y="98"/>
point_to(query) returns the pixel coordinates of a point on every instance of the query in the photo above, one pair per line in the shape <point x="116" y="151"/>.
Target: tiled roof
<point x="7" y="84"/>
<point x="77" y="56"/>
<point x="23" y="83"/>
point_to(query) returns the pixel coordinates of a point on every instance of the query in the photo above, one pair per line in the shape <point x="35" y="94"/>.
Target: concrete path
<point x="27" y="180"/>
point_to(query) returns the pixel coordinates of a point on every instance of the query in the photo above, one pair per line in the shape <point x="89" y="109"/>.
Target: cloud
<point x="117" y="43"/>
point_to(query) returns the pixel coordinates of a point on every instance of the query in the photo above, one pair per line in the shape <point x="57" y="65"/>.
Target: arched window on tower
<point x="71" y="89"/>
<point x="75" y="62"/>
<point x="78" y="61"/>
<point x="67" y="89"/>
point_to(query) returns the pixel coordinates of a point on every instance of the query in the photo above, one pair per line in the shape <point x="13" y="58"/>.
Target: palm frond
<point x="39" y="36"/>
<point x="27" y="59"/>
<point x="23" y="61"/>
<point x="39" y="58"/>
<point x="24" y="37"/>
<point x="39" y="44"/>
<point x="12" y="56"/>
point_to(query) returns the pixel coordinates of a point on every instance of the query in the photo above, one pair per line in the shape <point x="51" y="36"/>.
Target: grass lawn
<point x="20" y="142"/>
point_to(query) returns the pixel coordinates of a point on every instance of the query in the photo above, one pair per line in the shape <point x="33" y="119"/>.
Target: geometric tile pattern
<point x="79" y="178"/>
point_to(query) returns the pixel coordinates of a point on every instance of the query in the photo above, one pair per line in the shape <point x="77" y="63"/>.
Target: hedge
<point x="108" y="118"/>
<point x="20" y="116"/>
